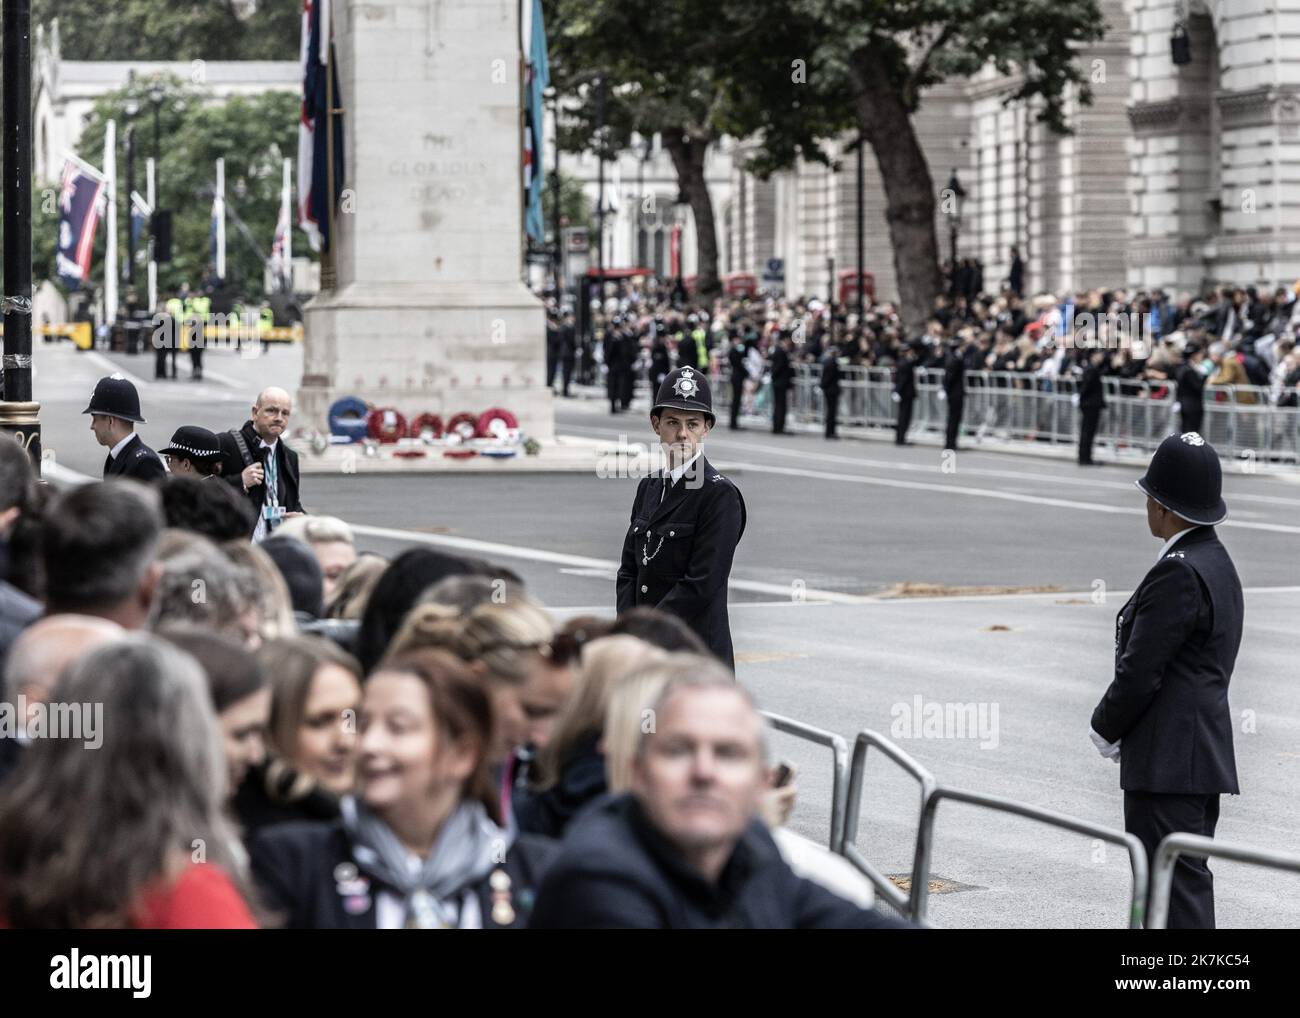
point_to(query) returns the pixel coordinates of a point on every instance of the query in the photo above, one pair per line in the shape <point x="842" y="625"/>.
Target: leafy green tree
<point x="254" y="135"/>
<point x="657" y="65"/>
<point x="173" y="29"/>
<point x="574" y="206"/>
<point x="810" y="69"/>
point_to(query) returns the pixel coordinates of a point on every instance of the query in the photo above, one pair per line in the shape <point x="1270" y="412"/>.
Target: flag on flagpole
<point x="539" y="79"/>
<point x="80" y="197"/>
<point x="282" y="247"/>
<point x="140" y="213"/>
<point x="316" y="51"/>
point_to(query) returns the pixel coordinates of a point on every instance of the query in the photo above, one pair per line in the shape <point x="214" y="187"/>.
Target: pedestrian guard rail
<point x="846" y="799"/>
<point x="839" y="767"/>
<point x="1175" y="845"/>
<point x="1240" y="421"/>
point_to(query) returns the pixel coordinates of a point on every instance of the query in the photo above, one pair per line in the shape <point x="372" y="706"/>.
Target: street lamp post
<point x="861" y="233"/>
<point x="954" y="222"/>
<point x="19" y="415"/>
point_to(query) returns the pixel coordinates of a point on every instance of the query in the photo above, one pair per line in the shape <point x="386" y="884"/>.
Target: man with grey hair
<point x="257" y="462"/>
<point x="686" y="849"/>
<point x="38" y="657"/>
<point x="98" y="545"/>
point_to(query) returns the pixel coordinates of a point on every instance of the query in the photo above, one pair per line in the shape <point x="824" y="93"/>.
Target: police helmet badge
<point x="686" y="386"/>
<point x="1192" y="438"/>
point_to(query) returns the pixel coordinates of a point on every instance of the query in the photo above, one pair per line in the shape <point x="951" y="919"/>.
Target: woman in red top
<point x="123" y="826"/>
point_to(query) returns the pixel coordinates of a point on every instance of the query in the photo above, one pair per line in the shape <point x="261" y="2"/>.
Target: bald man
<point x="256" y="460"/>
<point x="38" y="657"/>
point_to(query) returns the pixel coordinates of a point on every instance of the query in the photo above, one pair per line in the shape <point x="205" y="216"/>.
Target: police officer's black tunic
<point x="136" y="461"/>
<point x="689" y="539"/>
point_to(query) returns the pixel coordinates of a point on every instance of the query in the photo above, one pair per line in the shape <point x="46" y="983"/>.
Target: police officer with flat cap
<point x="1165" y="717"/>
<point x="114" y="412"/>
<point x="686" y="522"/>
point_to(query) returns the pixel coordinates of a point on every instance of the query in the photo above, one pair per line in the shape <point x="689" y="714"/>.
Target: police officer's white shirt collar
<point x="121" y="445"/>
<point x="1164" y="548"/>
<point x="675" y="474"/>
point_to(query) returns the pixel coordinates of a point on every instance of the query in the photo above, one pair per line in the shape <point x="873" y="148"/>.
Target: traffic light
<point x="160" y="227"/>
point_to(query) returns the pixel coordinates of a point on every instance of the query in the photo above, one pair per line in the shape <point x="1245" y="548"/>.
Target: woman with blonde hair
<point x="269" y="608"/>
<point x="509" y="645"/>
<point x="311" y="734"/>
<point x="571" y="767"/>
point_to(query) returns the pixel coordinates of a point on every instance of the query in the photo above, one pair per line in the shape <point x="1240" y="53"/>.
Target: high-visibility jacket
<point x="265" y="320"/>
<point x="701" y="347"/>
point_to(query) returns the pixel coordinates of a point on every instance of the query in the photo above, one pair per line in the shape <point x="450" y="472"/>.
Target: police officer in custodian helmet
<point x="114" y="412"/>
<point x="686" y="522"/>
<point x="1165" y="717"/>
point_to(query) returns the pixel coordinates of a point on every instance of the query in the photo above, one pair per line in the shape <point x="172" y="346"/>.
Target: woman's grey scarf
<point x="467" y="848"/>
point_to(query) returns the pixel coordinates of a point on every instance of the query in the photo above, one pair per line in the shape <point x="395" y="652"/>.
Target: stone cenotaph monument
<point x="428" y="313"/>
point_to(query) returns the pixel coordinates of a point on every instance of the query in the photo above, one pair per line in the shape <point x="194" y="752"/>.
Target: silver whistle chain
<point x="647" y="554"/>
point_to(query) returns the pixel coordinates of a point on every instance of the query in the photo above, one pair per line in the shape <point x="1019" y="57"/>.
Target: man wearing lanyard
<point x="263" y="467"/>
<point x="686" y="522"/>
<point x="1165" y="718"/>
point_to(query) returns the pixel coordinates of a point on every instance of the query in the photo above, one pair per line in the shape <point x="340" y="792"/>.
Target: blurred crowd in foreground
<point x="197" y="731"/>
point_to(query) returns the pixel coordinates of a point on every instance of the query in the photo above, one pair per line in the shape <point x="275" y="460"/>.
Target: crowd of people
<point x="298" y="734"/>
<point x="1146" y="340"/>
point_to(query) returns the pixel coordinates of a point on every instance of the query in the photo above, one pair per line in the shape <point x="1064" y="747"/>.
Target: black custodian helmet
<point x="1185" y="477"/>
<point x="114" y="396"/>
<point x="685" y="388"/>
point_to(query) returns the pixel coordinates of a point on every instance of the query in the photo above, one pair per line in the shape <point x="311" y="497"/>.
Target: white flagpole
<point x="286" y="202"/>
<point x="153" y="265"/>
<point x="221" y="218"/>
<point x="110" y="252"/>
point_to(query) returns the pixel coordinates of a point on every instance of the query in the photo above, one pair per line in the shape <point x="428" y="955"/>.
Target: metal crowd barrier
<point x="920" y="898"/>
<point x="840" y="766"/>
<point x="1175" y="845"/>
<point x="1241" y="421"/>
<point x="847" y="846"/>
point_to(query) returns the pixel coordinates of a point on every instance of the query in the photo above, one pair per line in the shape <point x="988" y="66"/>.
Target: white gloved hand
<point x="1110" y="750"/>
<point x="895" y="397"/>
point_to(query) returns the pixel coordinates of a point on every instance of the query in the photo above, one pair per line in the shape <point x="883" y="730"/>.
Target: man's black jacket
<point x="286" y="465"/>
<point x="616" y="871"/>
<point x="689" y="534"/>
<point x="1176" y="642"/>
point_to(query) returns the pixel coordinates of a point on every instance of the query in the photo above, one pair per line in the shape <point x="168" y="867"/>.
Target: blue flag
<point x="539" y="79"/>
<point x="314" y="200"/>
<point x="78" y="217"/>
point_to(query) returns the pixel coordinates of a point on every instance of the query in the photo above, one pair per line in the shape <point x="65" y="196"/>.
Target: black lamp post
<point x="19" y="414"/>
<point x="954" y="222"/>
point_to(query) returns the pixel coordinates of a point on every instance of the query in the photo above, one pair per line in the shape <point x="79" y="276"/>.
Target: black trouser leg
<point x="1153" y="815"/>
<point x="1191" y="419"/>
<point x="160" y="362"/>
<point x="778" y="410"/>
<point x="737" y="392"/>
<point x="1087" y="432"/>
<point x="832" y="412"/>
<point x="954" y="422"/>
<point x="904" y="421"/>
<point x="567" y="367"/>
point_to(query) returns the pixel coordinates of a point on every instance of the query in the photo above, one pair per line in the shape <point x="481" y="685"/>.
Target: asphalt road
<point x="1048" y="550"/>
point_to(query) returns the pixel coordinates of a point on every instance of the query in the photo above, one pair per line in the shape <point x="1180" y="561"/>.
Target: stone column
<point x="429" y="313"/>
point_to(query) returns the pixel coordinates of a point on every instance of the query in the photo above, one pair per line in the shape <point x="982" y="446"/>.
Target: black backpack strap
<point x="242" y="444"/>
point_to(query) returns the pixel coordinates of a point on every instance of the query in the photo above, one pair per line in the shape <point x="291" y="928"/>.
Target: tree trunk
<point x="909" y="190"/>
<point x="688" y="160"/>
